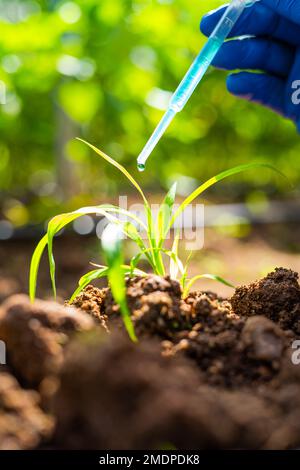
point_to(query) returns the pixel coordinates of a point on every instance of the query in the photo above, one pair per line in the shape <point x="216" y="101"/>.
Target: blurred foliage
<point x="102" y="70"/>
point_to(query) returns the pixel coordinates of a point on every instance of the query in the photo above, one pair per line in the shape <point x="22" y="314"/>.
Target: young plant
<point x="153" y="248"/>
<point x="112" y="247"/>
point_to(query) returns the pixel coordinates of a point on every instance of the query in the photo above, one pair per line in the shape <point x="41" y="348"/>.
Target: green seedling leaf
<point x="99" y="273"/>
<point x="60" y="221"/>
<point x="124" y="212"/>
<point x="131" y="231"/>
<point x="155" y="255"/>
<point x="118" y="166"/>
<point x="213" y="277"/>
<point x="112" y="247"/>
<point x="156" y="261"/>
<point x="136" y="259"/>
<point x="55" y="225"/>
<point x="173" y="256"/>
<point x="173" y="265"/>
<point x="164" y="215"/>
<point x="185" y="271"/>
<point x="125" y="267"/>
<point x="34" y="266"/>
<point x="215" y="179"/>
<point x="85" y="280"/>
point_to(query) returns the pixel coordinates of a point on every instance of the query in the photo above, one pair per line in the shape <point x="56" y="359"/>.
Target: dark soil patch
<point x="35" y="335"/>
<point x="230" y="350"/>
<point x="23" y="425"/>
<point x="277" y="297"/>
<point x="127" y="396"/>
<point x="206" y="373"/>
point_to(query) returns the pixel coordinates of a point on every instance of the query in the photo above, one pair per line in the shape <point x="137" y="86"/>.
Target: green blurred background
<point x="100" y="69"/>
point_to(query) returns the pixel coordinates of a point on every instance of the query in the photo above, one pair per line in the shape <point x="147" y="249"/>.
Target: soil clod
<point x="277" y="297"/>
<point x="23" y="425"/>
<point x="35" y="335"/>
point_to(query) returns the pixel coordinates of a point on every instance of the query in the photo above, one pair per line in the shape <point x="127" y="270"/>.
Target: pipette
<point x="195" y="74"/>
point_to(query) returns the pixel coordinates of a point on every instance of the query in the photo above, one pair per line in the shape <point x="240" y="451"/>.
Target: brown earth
<point x="206" y="372"/>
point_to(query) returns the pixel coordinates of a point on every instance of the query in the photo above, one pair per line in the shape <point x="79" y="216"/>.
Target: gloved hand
<point x="273" y="49"/>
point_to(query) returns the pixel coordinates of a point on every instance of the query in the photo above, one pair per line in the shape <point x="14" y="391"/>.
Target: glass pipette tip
<point x="155" y="137"/>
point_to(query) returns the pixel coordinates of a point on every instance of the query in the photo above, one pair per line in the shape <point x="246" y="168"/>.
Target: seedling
<point x="153" y="248"/>
<point x="112" y="247"/>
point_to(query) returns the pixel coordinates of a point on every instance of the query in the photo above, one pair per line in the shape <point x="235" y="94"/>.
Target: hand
<point x="273" y="49"/>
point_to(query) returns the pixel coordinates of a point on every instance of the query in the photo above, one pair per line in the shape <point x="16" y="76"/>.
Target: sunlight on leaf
<point x="205" y="276"/>
<point x="164" y="215"/>
<point x="34" y="266"/>
<point x="215" y="179"/>
<point x="173" y="265"/>
<point x="87" y="279"/>
<point x="118" y="166"/>
<point x="112" y="247"/>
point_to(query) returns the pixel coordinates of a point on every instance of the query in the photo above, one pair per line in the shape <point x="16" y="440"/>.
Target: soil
<point x="22" y="423"/>
<point x="207" y="372"/>
<point x="277" y="297"/>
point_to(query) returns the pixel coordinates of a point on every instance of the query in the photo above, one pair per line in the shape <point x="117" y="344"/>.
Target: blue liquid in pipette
<point x="181" y="96"/>
<point x="195" y="74"/>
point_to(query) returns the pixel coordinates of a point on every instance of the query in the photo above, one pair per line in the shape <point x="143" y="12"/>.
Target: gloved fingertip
<point x="210" y="20"/>
<point x="205" y="25"/>
<point x="234" y="84"/>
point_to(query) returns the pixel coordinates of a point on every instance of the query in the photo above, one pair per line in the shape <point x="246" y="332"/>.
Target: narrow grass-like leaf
<point x="132" y="233"/>
<point x="60" y="221"/>
<point x="85" y="280"/>
<point x="213" y="277"/>
<point x="215" y="179"/>
<point x="119" y="167"/>
<point x="125" y="267"/>
<point x="55" y="225"/>
<point x="164" y="215"/>
<point x="157" y="263"/>
<point x="112" y="247"/>
<point x="124" y="212"/>
<point x="34" y="266"/>
<point x="173" y="265"/>
<point x="99" y="273"/>
<point x="173" y="256"/>
<point x="185" y="271"/>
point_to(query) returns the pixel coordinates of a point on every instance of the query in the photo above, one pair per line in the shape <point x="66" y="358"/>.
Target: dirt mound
<point x="123" y="396"/>
<point x="91" y="301"/>
<point x="35" y="335"/>
<point x="230" y="350"/>
<point x="155" y="303"/>
<point x="118" y="395"/>
<point x="206" y="373"/>
<point x="8" y="287"/>
<point x="23" y="425"/>
<point x="277" y="296"/>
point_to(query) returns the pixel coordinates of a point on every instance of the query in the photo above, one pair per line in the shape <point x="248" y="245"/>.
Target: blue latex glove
<point x="273" y="49"/>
